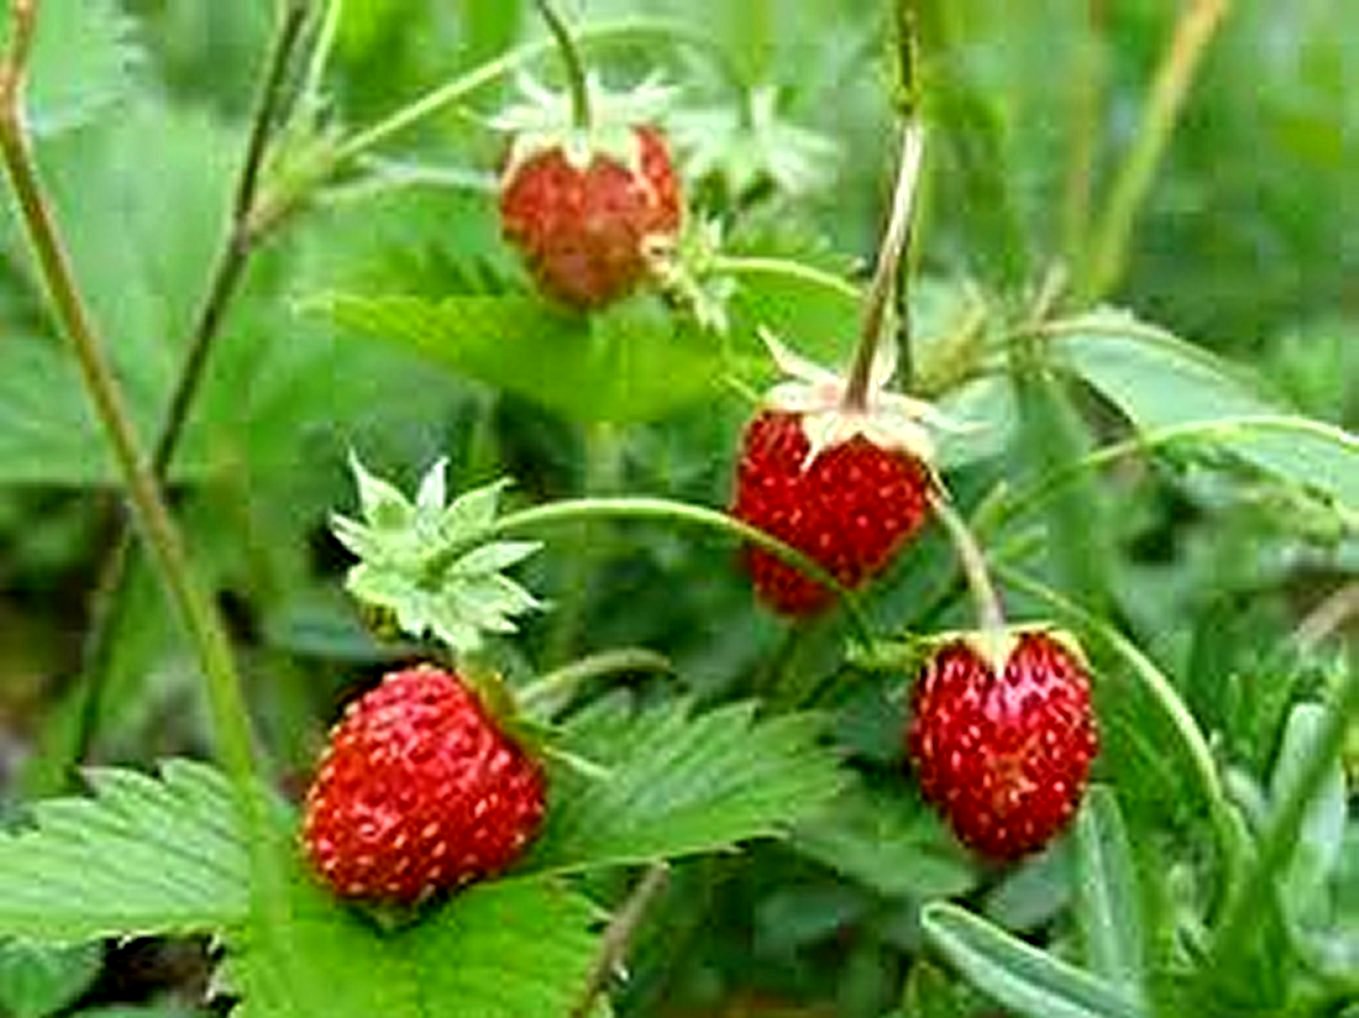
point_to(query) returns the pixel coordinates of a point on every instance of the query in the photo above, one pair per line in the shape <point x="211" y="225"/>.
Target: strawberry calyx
<point x="890" y="420"/>
<point x="995" y="645"/>
<point x="546" y="121"/>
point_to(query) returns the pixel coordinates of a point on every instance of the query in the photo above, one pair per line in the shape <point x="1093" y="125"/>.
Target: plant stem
<point x="663" y="510"/>
<point x="237" y="245"/>
<point x="1087" y="98"/>
<point x="575" y="68"/>
<point x="619" y="934"/>
<point x="562" y="682"/>
<point x="493" y="70"/>
<point x="990" y="618"/>
<point x="1243" y="911"/>
<point x="743" y="265"/>
<point x="889" y="263"/>
<point x="1029" y="498"/>
<point x="1108" y="258"/>
<point x="1228" y="833"/>
<point x="152" y="516"/>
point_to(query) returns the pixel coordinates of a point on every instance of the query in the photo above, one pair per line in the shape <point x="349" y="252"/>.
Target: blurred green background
<point x="1247" y="244"/>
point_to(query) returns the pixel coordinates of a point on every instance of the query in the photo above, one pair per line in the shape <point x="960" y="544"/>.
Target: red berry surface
<point x="585" y="232"/>
<point x="1004" y="757"/>
<point x="851" y="508"/>
<point x="419" y="790"/>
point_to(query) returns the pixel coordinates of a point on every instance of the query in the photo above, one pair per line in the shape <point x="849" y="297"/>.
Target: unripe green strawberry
<point x="1002" y="738"/>
<point x="419" y="790"/>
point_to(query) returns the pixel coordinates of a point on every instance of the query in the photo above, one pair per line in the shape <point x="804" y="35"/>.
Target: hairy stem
<point x="990" y="618"/>
<point x="663" y="510"/>
<point x="619" y="934"/>
<point x="560" y="684"/>
<point x="575" y="68"/>
<point x="1109" y="254"/>
<point x="148" y="505"/>
<point x="744" y="265"/>
<point x="888" y="265"/>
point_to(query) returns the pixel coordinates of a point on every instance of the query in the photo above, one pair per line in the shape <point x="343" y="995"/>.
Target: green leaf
<point x="38" y="980"/>
<point x="143" y="856"/>
<point x="81" y="61"/>
<point x="886" y="841"/>
<point x="1303" y="882"/>
<point x="680" y="783"/>
<point x="503" y="949"/>
<point x="1017" y="975"/>
<point x="1108" y="906"/>
<point x="632" y="363"/>
<point x="1159" y="381"/>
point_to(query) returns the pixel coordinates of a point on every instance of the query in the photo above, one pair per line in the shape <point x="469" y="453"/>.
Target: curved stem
<point x="1227" y="830"/>
<point x="1040" y="490"/>
<point x="492" y="71"/>
<point x="889" y="262"/>
<point x="989" y="615"/>
<point x="741" y="265"/>
<point x="662" y="510"/>
<point x="619" y="934"/>
<point x="563" y="681"/>
<point x="575" y="69"/>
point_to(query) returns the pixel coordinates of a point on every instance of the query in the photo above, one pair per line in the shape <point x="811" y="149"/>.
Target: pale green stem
<point x="660" y="510"/>
<point x="1109" y="253"/>
<point x="889" y="264"/>
<point x="1040" y="490"/>
<point x="741" y="265"/>
<point x="575" y="68"/>
<point x="990" y="618"/>
<point x="564" y="681"/>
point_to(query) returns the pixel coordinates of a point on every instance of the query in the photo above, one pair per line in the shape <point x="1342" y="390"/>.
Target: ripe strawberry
<point x="1002" y="741"/>
<point x="419" y="790"/>
<point x="850" y="508"/>
<point x="587" y="227"/>
<point x="847" y="487"/>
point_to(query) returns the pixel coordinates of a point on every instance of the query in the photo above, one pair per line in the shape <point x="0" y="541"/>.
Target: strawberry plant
<point x="633" y="509"/>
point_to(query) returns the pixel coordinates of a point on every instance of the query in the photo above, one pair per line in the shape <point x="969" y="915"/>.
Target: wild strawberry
<point x="590" y="208"/>
<point x="1002" y="739"/>
<point x="419" y="790"/>
<point x="847" y="487"/>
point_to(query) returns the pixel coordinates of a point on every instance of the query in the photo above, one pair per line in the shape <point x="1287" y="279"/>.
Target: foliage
<point x="1184" y="495"/>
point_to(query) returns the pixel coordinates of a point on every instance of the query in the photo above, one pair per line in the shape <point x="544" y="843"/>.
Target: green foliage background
<point x="388" y="318"/>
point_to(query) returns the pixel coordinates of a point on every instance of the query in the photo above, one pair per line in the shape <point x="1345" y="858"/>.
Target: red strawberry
<point x="588" y="226"/>
<point x="847" y="486"/>
<point x="850" y="508"/>
<point x="419" y="790"/>
<point x="1003" y="749"/>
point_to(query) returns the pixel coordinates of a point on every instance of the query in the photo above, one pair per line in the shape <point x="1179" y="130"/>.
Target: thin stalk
<point x="889" y="262"/>
<point x="990" y="618"/>
<point x="1109" y="253"/>
<point x="619" y="934"/>
<point x="150" y="512"/>
<point x="742" y="265"/>
<point x="575" y="68"/>
<point x="661" y="510"/>
<point x="459" y="88"/>
<point x="1242" y="914"/>
<point x="1033" y="496"/>
<point x="564" y="681"/>
<point x="235" y="249"/>
<point x="1088" y="93"/>
<point x="1228" y="833"/>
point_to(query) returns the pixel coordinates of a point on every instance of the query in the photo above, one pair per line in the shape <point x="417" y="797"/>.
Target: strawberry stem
<point x="550" y="692"/>
<point x="575" y="68"/>
<point x="889" y="261"/>
<point x="990" y="618"/>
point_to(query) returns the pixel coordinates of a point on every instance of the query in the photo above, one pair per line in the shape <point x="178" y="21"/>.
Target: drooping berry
<point x="1002" y="739"/>
<point x="850" y="508"/>
<point x="846" y="486"/>
<point x="419" y="790"/>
